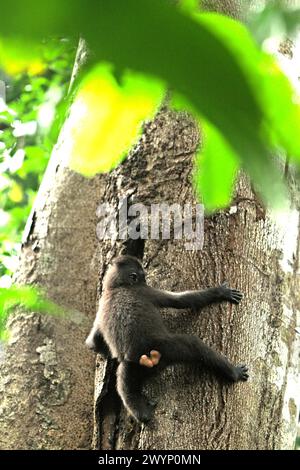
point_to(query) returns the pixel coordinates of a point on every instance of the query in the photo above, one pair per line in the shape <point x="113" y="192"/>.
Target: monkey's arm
<point x="193" y="299"/>
<point x="95" y="341"/>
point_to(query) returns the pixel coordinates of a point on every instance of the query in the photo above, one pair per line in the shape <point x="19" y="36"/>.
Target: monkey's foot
<point x="151" y="361"/>
<point x="232" y="295"/>
<point x="241" y="373"/>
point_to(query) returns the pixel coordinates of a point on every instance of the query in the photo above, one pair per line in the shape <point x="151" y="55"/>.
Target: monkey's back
<point x="129" y="323"/>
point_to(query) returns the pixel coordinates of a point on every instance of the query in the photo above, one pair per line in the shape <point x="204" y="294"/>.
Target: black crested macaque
<point x="129" y="326"/>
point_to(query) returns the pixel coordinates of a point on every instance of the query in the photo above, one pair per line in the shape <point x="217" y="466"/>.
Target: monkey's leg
<point x="179" y="348"/>
<point x="129" y="385"/>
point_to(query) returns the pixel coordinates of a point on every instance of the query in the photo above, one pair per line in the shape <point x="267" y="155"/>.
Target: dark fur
<point x="129" y="324"/>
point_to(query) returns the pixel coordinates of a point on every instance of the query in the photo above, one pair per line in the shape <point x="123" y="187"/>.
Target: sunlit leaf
<point x="209" y="59"/>
<point x="16" y="193"/>
<point x="106" y="118"/>
<point x="34" y="153"/>
<point x="17" y="56"/>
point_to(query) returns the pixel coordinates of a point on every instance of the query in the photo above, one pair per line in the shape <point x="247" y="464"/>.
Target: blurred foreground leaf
<point x="209" y="59"/>
<point x="106" y="117"/>
<point x="30" y="298"/>
<point x="215" y="169"/>
<point x="17" y="56"/>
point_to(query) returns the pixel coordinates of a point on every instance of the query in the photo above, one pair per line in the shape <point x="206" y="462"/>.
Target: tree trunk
<point x="244" y="246"/>
<point x="46" y="380"/>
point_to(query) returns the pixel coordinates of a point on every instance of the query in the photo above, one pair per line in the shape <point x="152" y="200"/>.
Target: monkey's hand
<point x="232" y="295"/>
<point x="151" y="361"/>
<point x="241" y="373"/>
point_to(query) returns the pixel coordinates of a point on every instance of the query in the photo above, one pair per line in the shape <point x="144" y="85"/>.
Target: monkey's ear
<point x="133" y="248"/>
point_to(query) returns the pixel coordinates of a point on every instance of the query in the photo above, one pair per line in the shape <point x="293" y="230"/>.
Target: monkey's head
<point x="124" y="271"/>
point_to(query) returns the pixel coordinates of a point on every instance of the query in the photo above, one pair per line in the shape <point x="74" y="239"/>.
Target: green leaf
<point x="25" y="93"/>
<point x="30" y="298"/>
<point x="277" y="99"/>
<point x="210" y="59"/>
<point x="16" y="57"/>
<point x="215" y="169"/>
<point x="106" y="116"/>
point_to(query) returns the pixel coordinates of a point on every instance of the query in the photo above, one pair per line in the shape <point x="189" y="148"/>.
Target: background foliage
<point x="27" y="136"/>
<point x="30" y="117"/>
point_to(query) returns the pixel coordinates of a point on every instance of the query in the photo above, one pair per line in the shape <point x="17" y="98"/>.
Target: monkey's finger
<point x="155" y="357"/>
<point x="237" y="292"/>
<point x="145" y="361"/>
<point x="235" y="301"/>
<point x="244" y="372"/>
<point x="236" y="296"/>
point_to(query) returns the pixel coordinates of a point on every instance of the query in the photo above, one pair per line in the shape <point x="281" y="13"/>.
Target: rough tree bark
<point x="46" y="382"/>
<point x="244" y="246"/>
<point x="46" y="379"/>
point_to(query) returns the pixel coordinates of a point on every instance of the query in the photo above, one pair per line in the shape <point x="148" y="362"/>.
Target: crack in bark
<point x="107" y="410"/>
<point x="29" y="229"/>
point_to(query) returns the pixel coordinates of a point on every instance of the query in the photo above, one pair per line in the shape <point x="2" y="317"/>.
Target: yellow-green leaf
<point x="106" y="117"/>
<point x="17" y="55"/>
